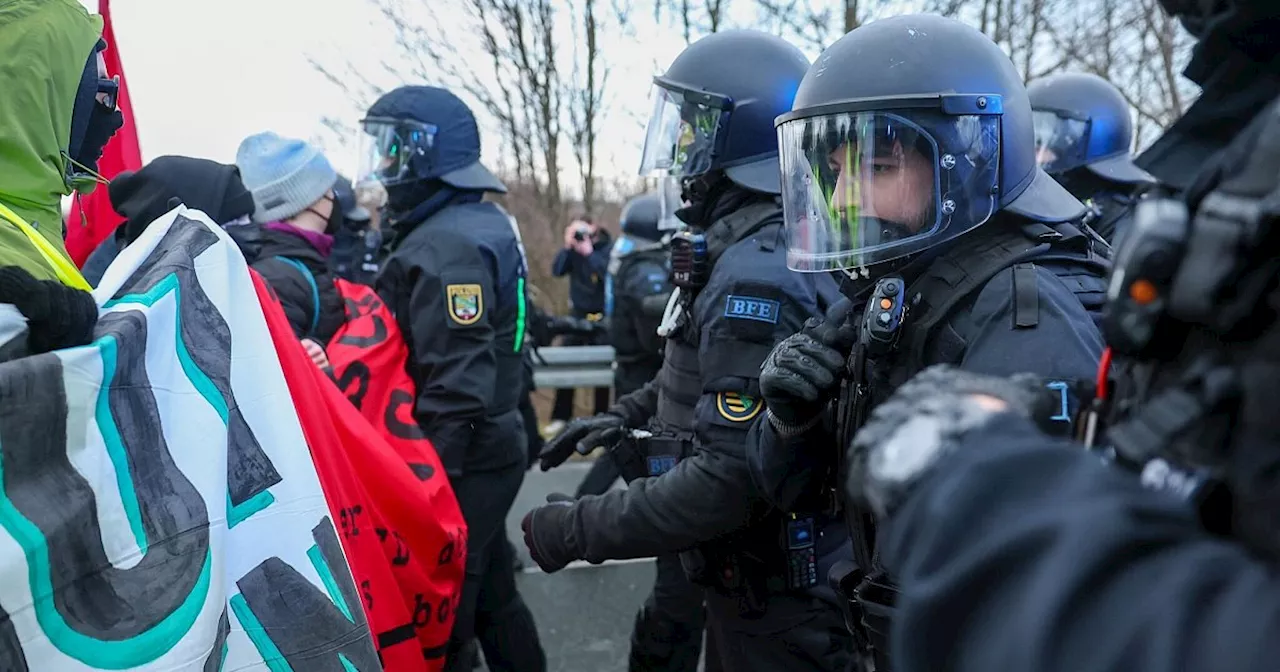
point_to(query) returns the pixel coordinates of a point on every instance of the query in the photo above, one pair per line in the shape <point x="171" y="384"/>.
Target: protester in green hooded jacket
<point x="57" y="111"/>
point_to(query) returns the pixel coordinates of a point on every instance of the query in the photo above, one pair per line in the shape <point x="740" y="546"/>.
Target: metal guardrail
<point x="573" y="366"/>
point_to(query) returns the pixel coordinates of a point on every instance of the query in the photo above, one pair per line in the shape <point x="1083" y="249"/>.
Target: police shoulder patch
<point x="743" y="307"/>
<point x="465" y="303"/>
<point x="737" y="407"/>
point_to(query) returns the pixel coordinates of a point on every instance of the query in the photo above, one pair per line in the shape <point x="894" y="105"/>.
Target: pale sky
<point x="204" y="75"/>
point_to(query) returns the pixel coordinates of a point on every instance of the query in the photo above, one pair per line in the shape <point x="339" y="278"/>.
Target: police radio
<point x="802" y="553"/>
<point x="882" y="320"/>
<point x="1142" y="279"/>
<point x="879" y="330"/>
<point x="690" y="265"/>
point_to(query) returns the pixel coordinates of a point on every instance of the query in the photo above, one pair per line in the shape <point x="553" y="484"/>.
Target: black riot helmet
<point x="643" y="218"/>
<point x="906" y="133"/>
<point x="713" y="109"/>
<point x="423" y="133"/>
<point x="1082" y="119"/>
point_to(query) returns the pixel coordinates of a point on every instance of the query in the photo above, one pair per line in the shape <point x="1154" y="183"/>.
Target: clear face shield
<point x="863" y="188"/>
<point x="683" y="130"/>
<point x="1061" y="142"/>
<point x="389" y="149"/>
<point x="669" y="189"/>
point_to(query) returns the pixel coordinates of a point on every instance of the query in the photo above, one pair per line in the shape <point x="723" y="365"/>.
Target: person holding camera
<point x="585" y="259"/>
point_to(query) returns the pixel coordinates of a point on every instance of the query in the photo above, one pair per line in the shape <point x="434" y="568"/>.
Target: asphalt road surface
<point x="585" y="611"/>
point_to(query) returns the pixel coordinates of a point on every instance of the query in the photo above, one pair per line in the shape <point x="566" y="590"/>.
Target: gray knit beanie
<point x="285" y="175"/>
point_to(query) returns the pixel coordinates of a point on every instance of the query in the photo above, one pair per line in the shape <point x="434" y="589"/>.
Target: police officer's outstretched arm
<point x="1051" y="559"/>
<point x="711" y="492"/>
<point x="451" y="341"/>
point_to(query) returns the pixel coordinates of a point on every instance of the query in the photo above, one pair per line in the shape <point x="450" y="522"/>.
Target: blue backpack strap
<point x="315" y="290"/>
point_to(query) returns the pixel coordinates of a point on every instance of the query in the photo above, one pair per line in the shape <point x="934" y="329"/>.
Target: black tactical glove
<point x="630" y="463"/>
<point x="582" y="434"/>
<point x="803" y="370"/>
<point x="58" y="316"/>
<point x="545" y="533"/>
<point x="925" y="419"/>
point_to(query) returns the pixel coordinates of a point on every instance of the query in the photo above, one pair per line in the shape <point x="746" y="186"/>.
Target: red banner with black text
<point x="399" y="521"/>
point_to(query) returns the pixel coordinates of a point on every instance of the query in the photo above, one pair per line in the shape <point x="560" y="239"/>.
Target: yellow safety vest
<point x="61" y="265"/>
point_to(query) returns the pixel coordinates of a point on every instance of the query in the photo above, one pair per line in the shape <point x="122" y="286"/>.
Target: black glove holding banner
<point x="925" y="419"/>
<point x="583" y="435"/>
<point x="545" y="534"/>
<point x="58" y="316"/>
<point x="804" y="369"/>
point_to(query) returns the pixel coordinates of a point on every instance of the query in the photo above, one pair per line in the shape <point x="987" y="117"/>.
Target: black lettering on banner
<point x="446" y="554"/>
<point x="379" y="335"/>
<point x="11" y="657"/>
<point x="207" y="340"/>
<point x="405" y="430"/>
<point x="443" y="611"/>
<point x="366" y="588"/>
<point x="400" y="635"/>
<point x="365" y="305"/>
<point x="219" y="653"/>
<point x="402" y="549"/>
<point x="276" y="596"/>
<point x="421" y="611"/>
<point x="422" y="471"/>
<point x="350" y="526"/>
<point x="359" y="373"/>
<point x="100" y="613"/>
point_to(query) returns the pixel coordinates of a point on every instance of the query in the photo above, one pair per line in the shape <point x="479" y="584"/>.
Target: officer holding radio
<point x="690" y="490"/>
<point x="913" y="176"/>
<point x="1164" y="559"/>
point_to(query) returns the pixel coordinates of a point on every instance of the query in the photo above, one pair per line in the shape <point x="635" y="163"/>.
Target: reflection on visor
<point x="669" y="189"/>
<point x="1061" y="143"/>
<point x="390" y="147"/>
<point x="680" y="137"/>
<point x="860" y="188"/>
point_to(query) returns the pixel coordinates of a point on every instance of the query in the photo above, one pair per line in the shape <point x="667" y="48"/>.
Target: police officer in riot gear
<point x="908" y="167"/>
<point x="455" y="282"/>
<point x="636" y="292"/>
<point x="1083" y="138"/>
<point x="640" y="289"/>
<point x="690" y="490"/>
<point x="1162" y="555"/>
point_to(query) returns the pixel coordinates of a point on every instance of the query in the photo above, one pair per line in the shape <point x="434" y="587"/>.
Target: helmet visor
<point x="861" y="188"/>
<point x="681" y="135"/>
<point x="390" y="147"/>
<point x="1061" y="142"/>
<point x="669" y="190"/>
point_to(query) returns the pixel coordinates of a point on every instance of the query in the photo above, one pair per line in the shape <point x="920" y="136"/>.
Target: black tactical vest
<point x="932" y="298"/>
<point x="968" y="266"/>
<point x="680" y="379"/>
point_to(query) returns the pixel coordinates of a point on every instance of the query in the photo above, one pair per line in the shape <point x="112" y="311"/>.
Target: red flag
<point x="122" y="153"/>
<point x="402" y="530"/>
